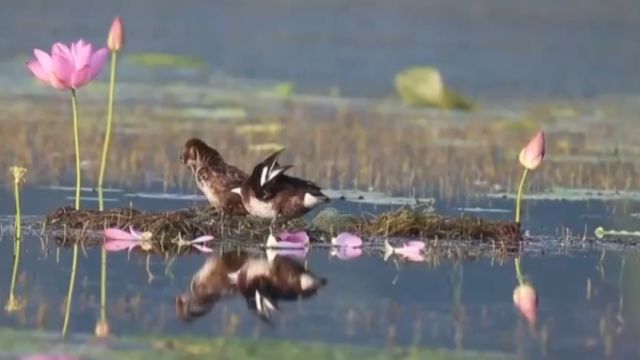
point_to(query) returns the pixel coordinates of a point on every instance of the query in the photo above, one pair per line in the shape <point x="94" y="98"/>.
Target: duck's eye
<point x="202" y="175"/>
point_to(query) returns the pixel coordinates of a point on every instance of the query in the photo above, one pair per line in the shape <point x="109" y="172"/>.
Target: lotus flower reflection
<point x="525" y="300"/>
<point x="346" y="246"/>
<point x="117" y="239"/>
<point x="68" y="66"/>
<point x="411" y="250"/>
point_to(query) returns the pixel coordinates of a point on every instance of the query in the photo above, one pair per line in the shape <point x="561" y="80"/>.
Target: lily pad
<point x="423" y="86"/>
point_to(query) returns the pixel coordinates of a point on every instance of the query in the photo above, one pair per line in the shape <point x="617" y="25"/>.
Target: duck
<point x="213" y="176"/>
<point x="262" y="282"/>
<point x="270" y="193"/>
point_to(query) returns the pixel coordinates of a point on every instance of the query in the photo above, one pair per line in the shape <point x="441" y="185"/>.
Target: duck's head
<point x="197" y="151"/>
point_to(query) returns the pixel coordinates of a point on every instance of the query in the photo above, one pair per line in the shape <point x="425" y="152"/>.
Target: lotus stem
<point x="103" y="164"/>
<point x="18" y="228"/>
<point x="74" y="261"/>
<point x="519" y="196"/>
<point x="107" y="133"/>
<point x="103" y="285"/>
<point x="72" y="282"/>
<point x="18" y="176"/>
<point x="13" y="304"/>
<point x="76" y="138"/>
<point x="519" y="271"/>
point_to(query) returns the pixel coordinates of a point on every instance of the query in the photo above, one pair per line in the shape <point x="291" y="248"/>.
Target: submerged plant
<point x="411" y="250"/>
<point x="530" y="157"/>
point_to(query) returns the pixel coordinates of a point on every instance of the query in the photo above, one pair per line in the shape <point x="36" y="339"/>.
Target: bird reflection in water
<point x="262" y="281"/>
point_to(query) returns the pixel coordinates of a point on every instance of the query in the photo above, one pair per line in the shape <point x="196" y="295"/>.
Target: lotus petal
<point x="413" y="257"/>
<point x="288" y="245"/>
<point x="414" y="245"/>
<point x="98" y="59"/>
<point x="201" y="239"/>
<point x="346" y="252"/>
<point x="202" y="248"/>
<point x="294" y="237"/>
<point x="119" y="245"/>
<point x="137" y="234"/>
<point x="117" y="234"/>
<point x="38" y="71"/>
<point x="44" y="59"/>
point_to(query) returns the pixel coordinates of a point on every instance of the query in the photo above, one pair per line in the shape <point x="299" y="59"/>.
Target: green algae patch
<point x="424" y="86"/>
<point x="155" y="60"/>
<point x="22" y="343"/>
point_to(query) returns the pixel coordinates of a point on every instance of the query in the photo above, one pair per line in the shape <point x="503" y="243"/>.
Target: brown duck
<point x="261" y="282"/>
<point x="214" y="177"/>
<point x="269" y="193"/>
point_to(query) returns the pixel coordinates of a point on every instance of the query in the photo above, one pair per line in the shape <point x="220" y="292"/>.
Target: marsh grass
<point x="168" y="227"/>
<point x="396" y="151"/>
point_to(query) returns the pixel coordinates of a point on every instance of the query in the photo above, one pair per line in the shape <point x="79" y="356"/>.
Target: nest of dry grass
<point x="70" y="226"/>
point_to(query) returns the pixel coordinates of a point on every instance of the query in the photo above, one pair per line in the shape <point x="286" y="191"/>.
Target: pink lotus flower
<point x="411" y="250"/>
<point x="68" y="67"/>
<point x="117" y="240"/>
<point x="346" y="246"/>
<point x="115" y="41"/>
<point x="288" y="240"/>
<point x="526" y="302"/>
<point x="531" y="156"/>
<point x="196" y="243"/>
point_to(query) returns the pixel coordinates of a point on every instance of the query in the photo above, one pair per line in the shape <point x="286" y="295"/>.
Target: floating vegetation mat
<point x="70" y="226"/>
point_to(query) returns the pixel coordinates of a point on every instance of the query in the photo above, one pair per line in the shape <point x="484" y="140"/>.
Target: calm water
<point x="458" y="305"/>
<point x="488" y="48"/>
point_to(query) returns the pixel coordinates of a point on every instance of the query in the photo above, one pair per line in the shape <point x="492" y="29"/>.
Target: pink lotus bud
<point x="115" y="41"/>
<point x="531" y="156"/>
<point x="526" y="301"/>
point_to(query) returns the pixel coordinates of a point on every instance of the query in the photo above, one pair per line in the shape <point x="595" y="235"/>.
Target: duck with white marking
<point x="269" y="193"/>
